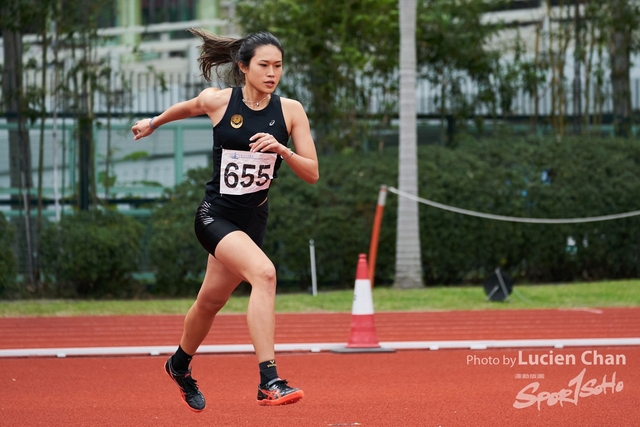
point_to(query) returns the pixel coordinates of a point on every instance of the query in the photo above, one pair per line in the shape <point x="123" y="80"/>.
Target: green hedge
<point x="337" y="213"/>
<point x="7" y="259"/>
<point x="515" y="176"/>
<point x="91" y="253"/>
<point x="95" y="254"/>
<point x="525" y="177"/>
<point x="531" y="177"/>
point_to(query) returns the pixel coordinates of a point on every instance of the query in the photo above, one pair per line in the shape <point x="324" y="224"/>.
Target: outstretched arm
<point x="194" y="107"/>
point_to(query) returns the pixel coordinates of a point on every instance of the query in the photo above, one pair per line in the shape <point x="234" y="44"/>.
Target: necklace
<point x="257" y="103"/>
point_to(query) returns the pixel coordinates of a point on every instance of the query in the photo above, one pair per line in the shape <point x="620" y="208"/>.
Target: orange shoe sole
<point x="286" y="400"/>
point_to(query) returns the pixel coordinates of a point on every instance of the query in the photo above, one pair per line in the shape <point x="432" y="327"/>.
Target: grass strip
<point x="623" y="293"/>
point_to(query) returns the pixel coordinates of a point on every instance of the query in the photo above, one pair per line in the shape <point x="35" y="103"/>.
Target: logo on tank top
<point x="236" y="121"/>
<point x="272" y="122"/>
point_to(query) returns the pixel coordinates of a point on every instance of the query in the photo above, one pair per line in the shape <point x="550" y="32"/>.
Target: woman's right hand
<point x="141" y="129"/>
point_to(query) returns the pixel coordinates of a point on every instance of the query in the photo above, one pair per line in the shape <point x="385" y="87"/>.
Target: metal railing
<point x="135" y="94"/>
<point x="143" y="169"/>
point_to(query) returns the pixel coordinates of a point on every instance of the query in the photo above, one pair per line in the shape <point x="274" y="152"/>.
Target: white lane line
<point x="317" y="347"/>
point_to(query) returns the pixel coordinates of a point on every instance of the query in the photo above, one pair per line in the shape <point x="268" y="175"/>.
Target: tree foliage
<point x="58" y="24"/>
<point x="342" y="53"/>
<point x="453" y="53"/>
<point x="337" y="54"/>
<point x="625" y="17"/>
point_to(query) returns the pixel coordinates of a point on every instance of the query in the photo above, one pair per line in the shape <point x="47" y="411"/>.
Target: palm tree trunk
<point x="408" y="259"/>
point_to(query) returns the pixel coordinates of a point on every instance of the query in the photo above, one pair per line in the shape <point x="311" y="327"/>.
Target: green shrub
<point x="7" y="259"/>
<point x="511" y="176"/>
<point x="536" y="178"/>
<point x="91" y="254"/>
<point x="337" y="213"/>
<point x="175" y="253"/>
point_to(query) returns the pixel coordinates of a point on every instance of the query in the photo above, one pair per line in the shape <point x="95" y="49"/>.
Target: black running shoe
<point x="188" y="388"/>
<point x="277" y="392"/>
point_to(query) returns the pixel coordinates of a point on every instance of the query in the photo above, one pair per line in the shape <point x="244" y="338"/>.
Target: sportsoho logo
<point x="579" y="387"/>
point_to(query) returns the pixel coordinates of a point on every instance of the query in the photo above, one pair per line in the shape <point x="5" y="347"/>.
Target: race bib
<point x="244" y="172"/>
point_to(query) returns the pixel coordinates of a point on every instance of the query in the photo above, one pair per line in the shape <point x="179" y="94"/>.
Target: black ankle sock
<point x="268" y="371"/>
<point x="180" y="360"/>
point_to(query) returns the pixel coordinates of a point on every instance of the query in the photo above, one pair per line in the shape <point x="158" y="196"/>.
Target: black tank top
<point x="241" y="179"/>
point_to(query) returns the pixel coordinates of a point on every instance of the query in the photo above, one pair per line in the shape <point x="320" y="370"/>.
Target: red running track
<point x="105" y="331"/>
<point x="405" y="388"/>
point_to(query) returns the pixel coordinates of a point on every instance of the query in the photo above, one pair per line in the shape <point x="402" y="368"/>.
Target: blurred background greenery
<point x="525" y="108"/>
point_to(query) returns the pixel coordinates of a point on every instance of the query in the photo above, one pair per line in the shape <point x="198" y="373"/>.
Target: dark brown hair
<point x="218" y="50"/>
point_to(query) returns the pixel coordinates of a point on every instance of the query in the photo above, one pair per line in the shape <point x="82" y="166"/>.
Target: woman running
<point x="252" y="126"/>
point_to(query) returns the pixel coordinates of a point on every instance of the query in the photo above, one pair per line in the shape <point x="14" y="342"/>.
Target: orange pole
<point x="375" y="233"/>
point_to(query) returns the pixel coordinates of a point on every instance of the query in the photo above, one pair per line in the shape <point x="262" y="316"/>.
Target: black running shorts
<point x="212" y="223"/>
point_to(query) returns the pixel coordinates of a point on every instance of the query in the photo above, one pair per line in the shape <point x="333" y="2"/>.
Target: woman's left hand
<point x="265" y="142"/>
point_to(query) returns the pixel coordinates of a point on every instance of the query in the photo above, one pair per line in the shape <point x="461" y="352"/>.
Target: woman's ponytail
<point x="217" y="51"/>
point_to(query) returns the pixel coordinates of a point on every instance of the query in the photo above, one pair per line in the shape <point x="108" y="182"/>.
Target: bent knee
<point x="210" y="306"/>
<point x="264" y="277"/>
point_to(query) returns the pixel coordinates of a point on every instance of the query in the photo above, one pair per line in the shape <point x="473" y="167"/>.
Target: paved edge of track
<point x="317" y="347"/>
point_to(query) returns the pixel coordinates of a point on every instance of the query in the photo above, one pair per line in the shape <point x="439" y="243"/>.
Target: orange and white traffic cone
<point x="362" y="337"/>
